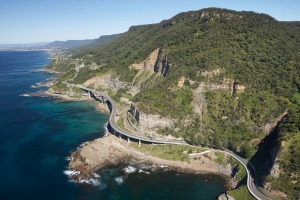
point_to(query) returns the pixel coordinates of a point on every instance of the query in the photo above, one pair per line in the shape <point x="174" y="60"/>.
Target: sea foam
<point x="119" y="180"/>
<point x="95" y="180"/>
<point x="129" y="169"/>
<point x="71" y="172"/>
<point x="106" y="129"/>
<point x="25" y="95"/>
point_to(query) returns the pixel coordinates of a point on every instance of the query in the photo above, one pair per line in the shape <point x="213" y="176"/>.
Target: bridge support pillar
<point x="128" y="139"/>
<point x="140" y="143"/>
<point x="89" y="93"/>
<point x="106" y="133"/>
<point x="120" y="136"/>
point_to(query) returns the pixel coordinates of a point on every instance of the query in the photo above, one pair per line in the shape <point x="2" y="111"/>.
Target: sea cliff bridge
<point x="255" y="191"/>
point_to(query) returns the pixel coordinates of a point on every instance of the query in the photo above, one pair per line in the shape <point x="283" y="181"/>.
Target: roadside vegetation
<point x="168" y="152"/>
<point x="241" y="193"/>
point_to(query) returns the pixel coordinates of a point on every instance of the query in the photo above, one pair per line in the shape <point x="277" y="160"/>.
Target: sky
<point x="31" y="21"/>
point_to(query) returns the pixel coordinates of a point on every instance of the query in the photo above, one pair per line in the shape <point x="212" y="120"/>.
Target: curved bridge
<point x="253" y="189"/>
<point x="115" y="128"/>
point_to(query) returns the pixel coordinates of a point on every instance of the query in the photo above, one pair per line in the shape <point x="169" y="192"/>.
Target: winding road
<point x="252" y="187"/>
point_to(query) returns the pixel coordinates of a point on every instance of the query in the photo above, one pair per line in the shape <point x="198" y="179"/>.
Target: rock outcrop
<point x="149" y="124"/>
<point x="156" y="62"/>
<point x="110" y="150"/>
<point x="106" y="82"/>
<point x="225" y="196"/>
<point x="152" y="123"/>
<point x="110" y="82"/>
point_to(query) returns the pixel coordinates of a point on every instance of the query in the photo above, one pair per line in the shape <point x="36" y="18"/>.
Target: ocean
<point x="37" y="135"/>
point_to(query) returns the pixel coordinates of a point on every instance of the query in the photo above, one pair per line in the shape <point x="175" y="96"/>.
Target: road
<point x="115" y="127"/>
<point x="250" y="176"/>
<point x="249" y="168"/>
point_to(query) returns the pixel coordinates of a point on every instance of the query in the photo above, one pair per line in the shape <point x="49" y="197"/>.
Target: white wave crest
<point x="130" y="169"/>
<point x="71" y="172"/>
<point x="142" y="171"/>
<point x="83" y="144"/>
<point x="119" y="180"/>
<point x="25" y="95"/>
<point x="68" y="158"/>
<point x="163" y="166"/>
<point x="96" y="175"/>
<point x="91" y="181"/>
<point x="106" y="129"/>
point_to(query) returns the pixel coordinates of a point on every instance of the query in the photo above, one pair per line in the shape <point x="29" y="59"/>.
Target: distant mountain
<point x="62" y="44"/>
<point x="67" y="44"/>
<point x="81" y="43"/>
<point x="104" y="39"/>
<point x="12" y="46"/>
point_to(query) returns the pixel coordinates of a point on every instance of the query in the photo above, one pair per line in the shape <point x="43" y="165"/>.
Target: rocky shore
<point x="111" y="151"/>
<point x="50" y="71"/>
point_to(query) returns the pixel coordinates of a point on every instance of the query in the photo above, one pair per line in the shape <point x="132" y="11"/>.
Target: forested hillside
<point x="240" y="70"/>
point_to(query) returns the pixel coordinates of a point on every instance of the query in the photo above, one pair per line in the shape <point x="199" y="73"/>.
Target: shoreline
<point x="109" y="151"/>
<point x="46" y="71"/>
<point x="85" y="165"/>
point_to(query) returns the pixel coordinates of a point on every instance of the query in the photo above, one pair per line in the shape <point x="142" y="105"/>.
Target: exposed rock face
<point x="162" y="64"/>
<point x="199" y="103"/>
<point x="135" y="112"/>
<point x="150" y="123"/>
<point x="226" y="83"/>
<point x="109" y="82"/>
<point x="151" y="60"/>
<point x="275" y="171"/>
<point x="103" y="107"/>
<point x="270" y="126"/>
<point x="155" y="62"/>
<point x="181" y="81"/>
<point x="211" y="73"/>
<point x="225" y="196"/>
<point x="154" y="122"/>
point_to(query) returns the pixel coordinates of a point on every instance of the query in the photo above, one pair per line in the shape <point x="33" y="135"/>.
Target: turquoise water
<point x="37" y="135"/>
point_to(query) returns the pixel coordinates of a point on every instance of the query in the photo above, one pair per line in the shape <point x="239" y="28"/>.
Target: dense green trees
<point x="254" y="49"/>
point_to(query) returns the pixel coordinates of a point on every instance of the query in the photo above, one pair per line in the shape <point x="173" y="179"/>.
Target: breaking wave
<point x="95" y="180"/>
<point x="106" y="129"/>
<point x="25" y="95"/>
<point x="119" y="180"/>
<point x="71" y="172"/>
<point x="129" y="169"/>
